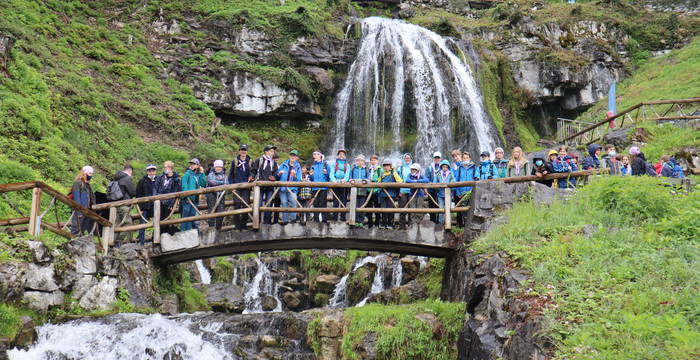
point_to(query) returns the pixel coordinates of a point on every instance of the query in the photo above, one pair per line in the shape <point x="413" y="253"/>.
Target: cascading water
<point x="396" y="274"/>
<point x="262" y="284"/>
<point x="339" y="299"/>
<point x="407" y="79"/>
<point x="204" y="274"/>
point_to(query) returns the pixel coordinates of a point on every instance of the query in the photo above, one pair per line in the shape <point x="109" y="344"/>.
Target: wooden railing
<point x="37" y="220"/>
<point x="659" y="111"/>
<point x="254" y="207"/>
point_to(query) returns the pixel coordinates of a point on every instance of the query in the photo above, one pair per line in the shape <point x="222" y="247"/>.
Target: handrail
<point x="629" y="110"/>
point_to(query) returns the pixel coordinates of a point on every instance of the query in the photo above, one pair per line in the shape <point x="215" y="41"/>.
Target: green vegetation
<point x="222" y="271"/>
<point x="176" y="279"/>
<point x="400" y="333"/>
<point x="619" y="265"/>
<point x="10" y="320"/>
<point x="431" y="277"/>
<point x="668" y="139"/>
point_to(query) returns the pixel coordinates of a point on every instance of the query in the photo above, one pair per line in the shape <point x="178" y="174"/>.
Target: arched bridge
<point x="424" y="239"/>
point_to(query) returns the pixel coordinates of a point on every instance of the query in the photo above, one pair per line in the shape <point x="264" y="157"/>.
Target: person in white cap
<point x="146" y="187"/>
<point x="419" y="202"/>
<point x="82" y="193"/>
<point x="216" y="177"/>
<point x="431" y="173"/>
<point x="387" y="196"/>
<point x="360" y="174"/>
<point x="192" y="180"/>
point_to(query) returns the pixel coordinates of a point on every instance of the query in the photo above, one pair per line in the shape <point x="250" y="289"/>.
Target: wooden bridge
<point x="424" y="238"/>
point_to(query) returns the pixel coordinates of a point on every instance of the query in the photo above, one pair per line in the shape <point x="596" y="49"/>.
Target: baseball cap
<point x="195" y="161"/>
<point x="437" y="154"/>
<point x="485" y="153"/>
<point x="414" y="166"/>
<point x="270" y="147"/>
<point x="294" y="152"/>
<point x="88" y="169"/>
<point x="243" y="147"/>
<point x="387" y="162"/>
<point x="151" y="166"/>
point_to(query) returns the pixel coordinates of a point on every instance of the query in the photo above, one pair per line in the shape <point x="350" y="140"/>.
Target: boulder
<point x="26" y="335"/>
<point x="360" y="283"/>
<point x="41" y="300"/>
<point x="325" y="283"/>
<point x="322" y="79"/>
<point x="410" y="267"/>
<point x="12" y="279"/>
<point x="82" y="285"/>
<point x="432" y="320"/>
<point x="40" y="278"/>
<point x="223" y="297"/>
<point x="40" y="253"/>
<point x="100" y="296"/>
<point x="269" y="303"/>
<point x="180" y="241"/>
<point x="619" y="137"/>
<point x="6" y="43"/>
<point x="169" y="304"/>
<point x="266" y="341"/>
<point x="410" y="292"/>
<point x="83" y="252"/>
<point x="292" y="299"/>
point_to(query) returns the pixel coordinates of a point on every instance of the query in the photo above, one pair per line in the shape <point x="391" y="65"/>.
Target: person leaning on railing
<point x="444" y="176"/>
<point x="81" y="192"/>
<point x="167" y="183"/>
<point x="375" y="170"/>
<point x="216" y="201"/>
<point x="193" y="179"/>
<point x="388" y="196"/>
<point x="265" y="169"/>
<point x="146" y="187"/>
<point x="240" y="173"/>
<point x="418" y="202"/>
<point x="128" y="189"/>
<point x="360" y="173"/>
<point x="320" y="172"/>
<point x="290" y="170"/>
<point x="340" y="174"/>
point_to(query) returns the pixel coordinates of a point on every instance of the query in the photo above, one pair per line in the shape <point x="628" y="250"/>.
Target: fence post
<point x="156" y="222"/>
<point x="448" y="208"/>
<point x="352" y="205"/>
<point x="34" y="220"/>
<point x="109" y="230"/>
<point x="256" y="207"/>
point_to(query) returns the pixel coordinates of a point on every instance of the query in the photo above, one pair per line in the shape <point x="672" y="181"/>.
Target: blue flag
<point x="611" y="99"/>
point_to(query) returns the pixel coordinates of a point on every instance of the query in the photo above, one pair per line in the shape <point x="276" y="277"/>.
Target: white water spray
<point x="262" y="284"/>
<point x="204" y="274"/>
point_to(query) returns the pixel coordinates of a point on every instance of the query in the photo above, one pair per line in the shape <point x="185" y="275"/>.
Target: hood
<point x="539" y="158"/>
<point x="641" y="156"/>
<point x="592" y="148"/>
<point x="120" y="175"/>
<point x="403" y="158"/>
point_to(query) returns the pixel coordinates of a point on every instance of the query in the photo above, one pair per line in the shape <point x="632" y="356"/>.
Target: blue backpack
<point x="678" y="172"/>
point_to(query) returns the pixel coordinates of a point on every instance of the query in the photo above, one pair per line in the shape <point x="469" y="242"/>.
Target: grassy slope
<point x="628" y="289"/>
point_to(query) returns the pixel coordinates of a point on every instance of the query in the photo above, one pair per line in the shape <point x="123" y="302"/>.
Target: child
<point x="216" y="177"/>
<point x="486" y="170"/>
<point x="500" y="162"/>
<point x="374" y="172"/>
<point x="360" y="173"/>
<point x="626" y="167"/>
<point x="562" y="164"/>
<point x="444" y="176"/>
<point x="540" y="169"/>
<point x="387" y="195"/>
<point x="610" y="159"/>
<point x="518" y="165"/>
<point x="305" y="193"/>
<point x="418" y="202"/>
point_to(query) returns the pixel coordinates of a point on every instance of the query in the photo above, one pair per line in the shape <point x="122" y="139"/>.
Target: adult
<point x="146" y="187"/>
<point x="431" y="173"/>
<point x="340" y="174"/>
<point x="265" y="169"/>
<point x="518" y="164"/>
<point x="240" y="173"/>
<point x="639" y="163"/>
<point x="167" y="183"/>
<point x="592" y="161"/>
<point x="216" y="201"/>
<point x="128" y="190"/>
<point x="610" y="159"/>
<point x="404" y="193"/>
<point x="290" y="170"/>
<point x="82" y="193"/>
<point x="500" y="163"/>
<point x="193" y="179"/>
<point x="319" y="172"/>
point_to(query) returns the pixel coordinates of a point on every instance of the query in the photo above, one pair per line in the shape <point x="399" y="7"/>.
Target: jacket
<point x="404" y="170"/>
<point x="260" y="170"/>
<point x="360" y="173"/>
<point x="562" y="164"/>
<point x="146" y="187"/>
<point x="443" y="179"/>
<point x="389" y="177"/>
<point x="167" y="185"/>
<point x="216" y="179"/>
<point x="374" y="174"/>
<point x="591" y="161"/>
<point x="625" y="170"/>
<point x="339" y="171"/>
<point x="524" y="168"/>
<point x="639" y="165"/>
<point x="420" y="178"/>
<point x="83" y="194"/>
<point x="463" y="173"/>
<point x="128" y="187"/>
<point x="612" y="164"/>
<point x="486" y="170"/>
<point x="193" y="181"/>
<point x="502" y="166"/>
<point x="318" y="175"/>
<point x="239" y="174"/>
<point x="285" y="171"/>
<point x="545" y="169"/>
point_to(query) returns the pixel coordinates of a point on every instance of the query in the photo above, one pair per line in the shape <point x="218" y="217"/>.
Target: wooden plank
<point x="108" y="231"/>
<point x="17" y="186"/>
<point x="206" y="216"/>
<point x="256" y="207"/>
<point x="34" y="220"/>
<point x="74" y="205"/>
<point x="15" y="221"/>
<point x="352" y="205"/>
<point x="56" y="230"/>
<point x="304" y="210"/>
<point x="156" y="222"/>
<point x="448" y="207"/>
<point x="401" y="210"/>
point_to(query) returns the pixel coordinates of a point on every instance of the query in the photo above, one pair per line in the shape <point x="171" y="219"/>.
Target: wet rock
<point x="360" y="283"/>
<point x="366" y="348"/>
<point x="269" y="303"/>
<point x="83" y="252"/>
<point x="406" y="11"/>
<point x="6" y="43"/>
<point x="330" y="334"/>
<point x="12" y="279"/>
<point x="410" y="267"/>
<point x="131" y="265"/>
<point x="40" y="254"/>
<point x="223" y="297"/>
<point x="41" y="301"/>
<point x="26" y="335"/>
<point x="181" y="240"/>
<point x="432" y="320"/>
<point x="292" y="299"/>
<point x="267" y="341"/>
<point x="40" y="278"/>
<point x="326" y="283"/>
<point x="100" y="296"/>
<point x="169" y="304"/>
<point x="404" y="294"/>
<point x="322" y="79"/>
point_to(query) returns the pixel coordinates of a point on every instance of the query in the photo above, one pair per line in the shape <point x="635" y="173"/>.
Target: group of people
<point x="361" y="170"/>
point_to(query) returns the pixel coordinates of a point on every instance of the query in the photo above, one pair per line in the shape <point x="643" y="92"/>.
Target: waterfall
<point x="126" y="336"/>
<point x="378" y="282"/>
<point x="339" y="298"/>
<point x="396" y="274"/>
<point x="262" y="284"/>
<point x="204" y="274"/>
<point x="407" y="83"/>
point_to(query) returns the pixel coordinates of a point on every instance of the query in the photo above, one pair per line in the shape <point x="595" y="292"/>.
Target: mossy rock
<point x="360" y="283"/>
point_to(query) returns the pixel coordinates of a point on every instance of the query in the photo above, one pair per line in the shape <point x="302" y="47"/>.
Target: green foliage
<point x="431" y="277"/>
<point x="400" y="334"/>
<point x="222" y="271"/>
<point x="668" y="139"/>
<point x="123" y="303"/>
<point x="9" y="321"/>
<point x="176" y="279"/>
<point x="625" y="290"/>
<point x="313" y="334"/>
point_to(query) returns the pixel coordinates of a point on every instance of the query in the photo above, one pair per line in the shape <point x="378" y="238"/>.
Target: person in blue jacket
<point x="500" y="162"/>
<point x="340" y="173"/>
<point x="82" y="193"/>
<point x="320" y="172"/>
<point x="387" y="196"/>
<point x="485" y="170"/>
<point x="430" y="171"/>
<point x="464" y="171"/>
<point x="592" y="161"/>
<point x="404" y="170"/>
<point x="563" y="164"/>
<point x="360" y="173"/>
<point x="444" y="176"/>
<point x="415" y="176"/>
<point x="216" y="201"/>
<point x="290" y="170"/>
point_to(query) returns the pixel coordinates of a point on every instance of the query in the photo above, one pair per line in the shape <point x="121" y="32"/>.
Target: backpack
<point x="114" y="191"/>
<point x="678" y="172"/>
<point x="345" y="166"/>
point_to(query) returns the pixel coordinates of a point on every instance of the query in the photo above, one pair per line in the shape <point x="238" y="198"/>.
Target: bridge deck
<point x="424" y="239"/>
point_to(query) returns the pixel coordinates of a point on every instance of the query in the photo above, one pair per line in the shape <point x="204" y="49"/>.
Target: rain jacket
<point x="405" y="170"/>
<point x="391" y="176"/>
<point x="340" y="171"/>
<point x="420" y="178"/>
<point x="318" y="175"/>
<point x="486" y="170"/>
<point x="545" y="169"/>
<point x="360" y="173"/>
<point x="463" y="172"/>
<point x="285" y="171"/>
<point x="239" y="173"/>
<point x="193" y="181"/>
<point x="443" y="178"/>
<point x="591" y="161"/>
<point x="502" y="166"/>
<point x="167" y="185"/>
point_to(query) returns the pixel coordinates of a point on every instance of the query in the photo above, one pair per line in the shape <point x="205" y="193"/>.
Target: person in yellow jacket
<point x="387" y="197"/>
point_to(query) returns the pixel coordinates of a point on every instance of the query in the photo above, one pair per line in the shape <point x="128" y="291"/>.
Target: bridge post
<point x="34" y="219"/>
<point x="156" y="222"/>
<point x="109" y="230"/>
<point x="256" y="207"/>
<point x="352" y="206"/>
<point x="448" y="208"/>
